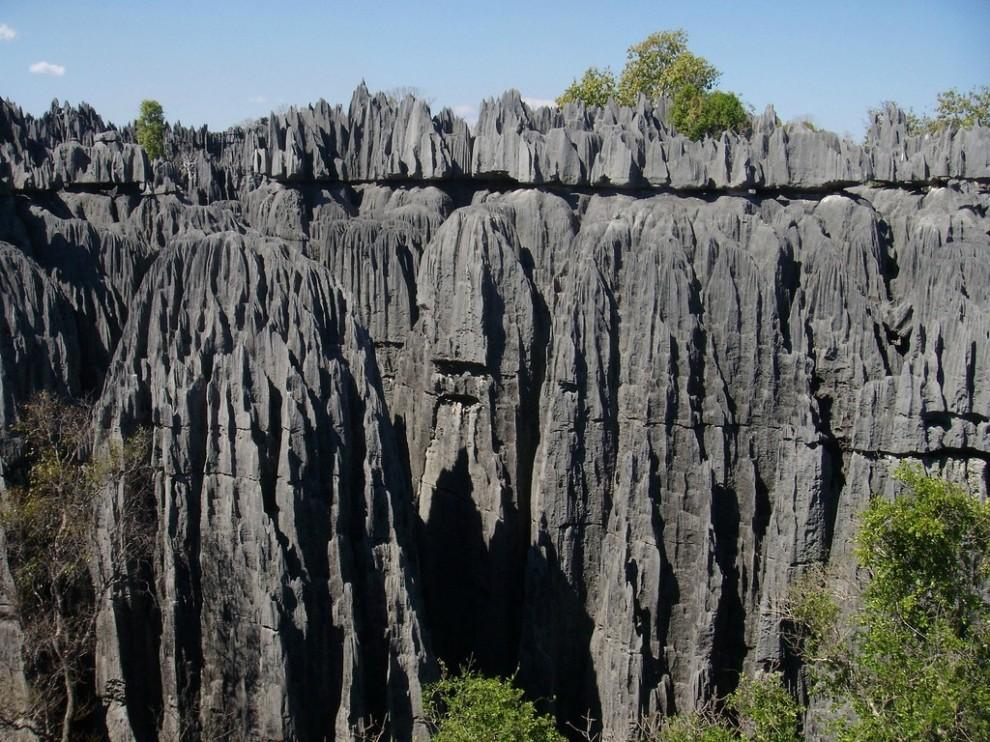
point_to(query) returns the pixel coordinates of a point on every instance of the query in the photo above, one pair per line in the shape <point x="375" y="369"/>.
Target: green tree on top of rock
<point x="150" y="128"/>
<point x="595" y="88"/>
<point x="962" y="110"/>
<point x="661" y="65"/>
<point x="952" y="109"/>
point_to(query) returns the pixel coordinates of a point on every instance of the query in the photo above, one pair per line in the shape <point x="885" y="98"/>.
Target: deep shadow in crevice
<point x="556" y="668"/>
<point x="470" y="617"/>
<point x="729" y="643"/>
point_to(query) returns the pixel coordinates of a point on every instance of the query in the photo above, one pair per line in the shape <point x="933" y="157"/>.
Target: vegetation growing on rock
<point x="470" y="707"/>
<point x="150" y="128"/>
<point x="914" y="661"/>
<point x="51" y="522"/>
<point x="661" y="65"/>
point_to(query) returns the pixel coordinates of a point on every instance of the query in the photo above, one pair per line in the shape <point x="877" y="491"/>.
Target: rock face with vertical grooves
<point x="288" y="607"/>
<point x="465" y="390"/>
<point x="569" y="393"/>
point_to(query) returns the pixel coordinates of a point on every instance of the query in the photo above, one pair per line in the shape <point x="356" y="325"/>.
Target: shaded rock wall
<point x="569" y="393"/>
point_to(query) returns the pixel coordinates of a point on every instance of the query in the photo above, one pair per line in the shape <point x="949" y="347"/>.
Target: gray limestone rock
<point x="288" y="603"/>
<point x="39" y="347"/>
<point x="569" y="394"/>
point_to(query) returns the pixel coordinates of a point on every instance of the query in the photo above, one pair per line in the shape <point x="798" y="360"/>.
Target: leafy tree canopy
<point x="952" y="109"/>
<point x="914" y="661"/>
<point x="150" y="128"/>
<point x="474" y="708"/>
<point x="595" y="88"/>
<point x="662" y="66"/>
<point x="963" y="110"/>
<point x="763" y="709"/>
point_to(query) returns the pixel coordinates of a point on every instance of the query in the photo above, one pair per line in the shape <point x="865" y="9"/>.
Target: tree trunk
<point x="65" y="660"/>
<point x="70" y="704"/>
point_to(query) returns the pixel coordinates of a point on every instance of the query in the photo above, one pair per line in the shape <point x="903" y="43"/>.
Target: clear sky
<point x="219" y="62"/>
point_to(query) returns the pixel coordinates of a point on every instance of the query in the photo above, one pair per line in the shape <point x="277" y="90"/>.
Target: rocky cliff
<point x="567" y="393"/>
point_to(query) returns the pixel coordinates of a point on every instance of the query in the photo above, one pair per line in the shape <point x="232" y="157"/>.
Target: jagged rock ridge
<point x="568" y="393"/>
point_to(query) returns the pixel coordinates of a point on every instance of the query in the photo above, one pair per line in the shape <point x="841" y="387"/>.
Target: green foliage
<point x="952" y="109"/>
<point x="50" y="521"/>
<point x="474" y="708"/>
<point x="698" y="113"/>
<point x="47" y="519"/>
<point x="595" y="88"/>
<point x="696" y="727"/>
<point x="150" y="128"/>
<point x="963" y="110"/>
<point x="766" y="710"/>
<point x="763" y="710"/>
<point x="662" y="66"/>
<point x="812" y="614"/>
<point x="928" y="554"/>
<point x="914" y="661"/>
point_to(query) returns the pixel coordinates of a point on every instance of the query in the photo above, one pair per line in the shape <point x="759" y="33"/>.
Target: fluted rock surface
<point x="288" y="609"/>
<point x="569" y="393"/>
<point x="382" y="139"/>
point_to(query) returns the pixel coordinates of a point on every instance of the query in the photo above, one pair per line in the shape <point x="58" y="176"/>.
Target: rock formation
<point x="569" y="393"/>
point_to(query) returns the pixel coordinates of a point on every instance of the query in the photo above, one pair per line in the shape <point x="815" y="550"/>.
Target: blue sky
<point x="221" y="62"/>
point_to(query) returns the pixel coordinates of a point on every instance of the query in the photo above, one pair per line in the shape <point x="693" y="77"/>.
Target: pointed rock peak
<point x="610" y="113"/>
<point x="360" y="98"/>
<point x="512" y="102"/>
<point x="512" y="98"/>
<point x="662" y="110"/>
<point x="888" y="125"/>
<point x="766" y="122"/>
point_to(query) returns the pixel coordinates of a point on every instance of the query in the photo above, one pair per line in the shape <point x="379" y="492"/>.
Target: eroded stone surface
<point x="559" y="394"/>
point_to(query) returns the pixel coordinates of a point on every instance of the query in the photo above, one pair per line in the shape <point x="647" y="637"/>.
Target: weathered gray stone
<point x="289" y="604"/>
<point x="572" y="394"/>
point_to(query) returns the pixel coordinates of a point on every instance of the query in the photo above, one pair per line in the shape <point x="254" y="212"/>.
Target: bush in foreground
<point x="473" y="708"/>
<point x="914" y="661"/>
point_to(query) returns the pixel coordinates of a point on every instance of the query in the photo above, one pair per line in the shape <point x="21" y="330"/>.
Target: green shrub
<point x="150" y="128"/>
<point x="765" y="709"/>
<point x="660" y="65"/>
<point x="595" y="88"/>
<point x="474" y="708"/>
<point x="914" y="661"/>
<point x="698" y="113"/>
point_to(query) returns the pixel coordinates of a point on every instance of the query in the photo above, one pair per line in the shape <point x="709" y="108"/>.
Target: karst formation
<point x="565" y="394"/>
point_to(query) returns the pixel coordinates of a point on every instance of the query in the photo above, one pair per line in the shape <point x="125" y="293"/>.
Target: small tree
<point x="660" y="65"/>
<point x="914" y="661"/>
<point x="760" y="710"/>
<point x="962" y="110"/>
<point x="50" y="522"/>
<point x="698" y="113"/>
<point x="952" y="109"/>
<point x="473" y="708"/>
<point x="150" y="128"/>
<point x="595" y="88"/>
<point x="766" y="711"/>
